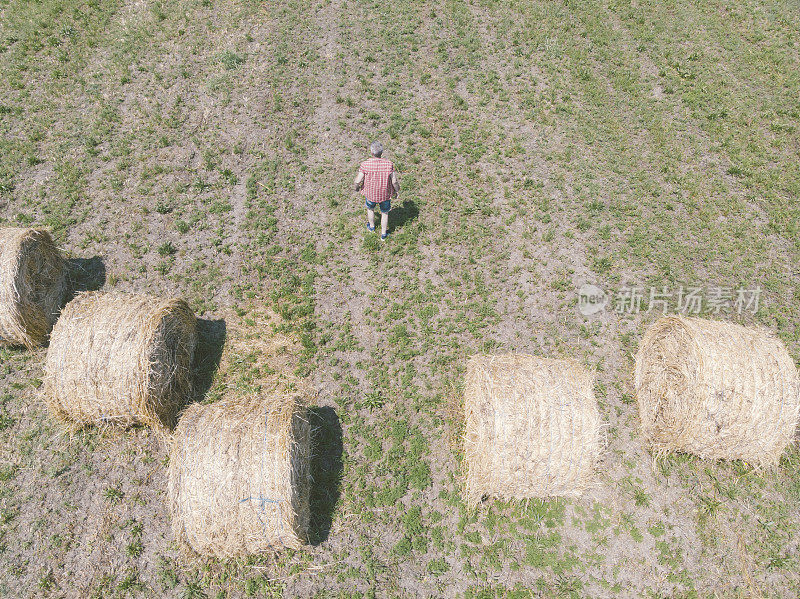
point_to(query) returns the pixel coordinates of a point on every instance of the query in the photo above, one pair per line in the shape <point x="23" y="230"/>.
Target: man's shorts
<point x="386" y="205"/>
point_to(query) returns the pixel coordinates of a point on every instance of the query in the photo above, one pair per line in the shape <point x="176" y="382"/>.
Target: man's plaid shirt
<point x="377" y="179"/>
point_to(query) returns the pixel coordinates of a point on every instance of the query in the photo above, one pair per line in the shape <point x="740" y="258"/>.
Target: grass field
<point x="207" y="148"/>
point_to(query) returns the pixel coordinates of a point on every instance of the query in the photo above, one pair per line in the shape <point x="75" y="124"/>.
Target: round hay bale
<point x="33" y="286"/>
<point x="120" y="358"/>
<point x="532" y="427"/>
<point x="239" y="476"/>
<point x="717" y="390"/>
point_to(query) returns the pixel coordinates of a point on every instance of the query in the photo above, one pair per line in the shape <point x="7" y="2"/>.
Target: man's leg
<point x="385" y="207"/>
<point x="371" y="218"/>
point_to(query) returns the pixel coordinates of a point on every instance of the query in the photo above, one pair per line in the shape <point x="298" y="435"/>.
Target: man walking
<point x="378" y="182"/>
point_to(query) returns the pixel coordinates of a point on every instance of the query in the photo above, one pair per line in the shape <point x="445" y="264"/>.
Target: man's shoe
<point x="370" y="229"/>
<point x="384" y="236"/>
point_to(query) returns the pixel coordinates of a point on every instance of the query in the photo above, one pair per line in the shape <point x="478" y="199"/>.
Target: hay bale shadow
<point x="211" y="336"/>
<point x="85" y="274"/>
<point x="403" y="214"/>
<point x="326" y="470"/>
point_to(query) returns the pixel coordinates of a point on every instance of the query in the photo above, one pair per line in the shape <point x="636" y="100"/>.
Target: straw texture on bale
<point x="532" y="427"/>
<point x="717" y="390"/>
<point x="121" y="358"/>
<point x="33" y="286"/>
<point x="239" y="476"/>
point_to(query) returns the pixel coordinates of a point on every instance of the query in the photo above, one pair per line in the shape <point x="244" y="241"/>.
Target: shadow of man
<point x="403" y="214"/>
<point x="326" y="471"/>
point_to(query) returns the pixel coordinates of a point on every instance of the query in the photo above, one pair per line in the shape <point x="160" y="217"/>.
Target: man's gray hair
<point x="376" y="149"/>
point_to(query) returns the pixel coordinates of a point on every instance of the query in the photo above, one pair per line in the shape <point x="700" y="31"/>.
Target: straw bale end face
<point x="239" y="476"/>
<point x="33" y="286"/>
<point x="121" y="358"/>
<point x="532" y="427"/>
<point x="717" y="390"/>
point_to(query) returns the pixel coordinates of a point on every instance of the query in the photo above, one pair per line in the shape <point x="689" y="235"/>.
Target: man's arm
<point x="395" y="185"/>
<point x="358" y="183"/>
